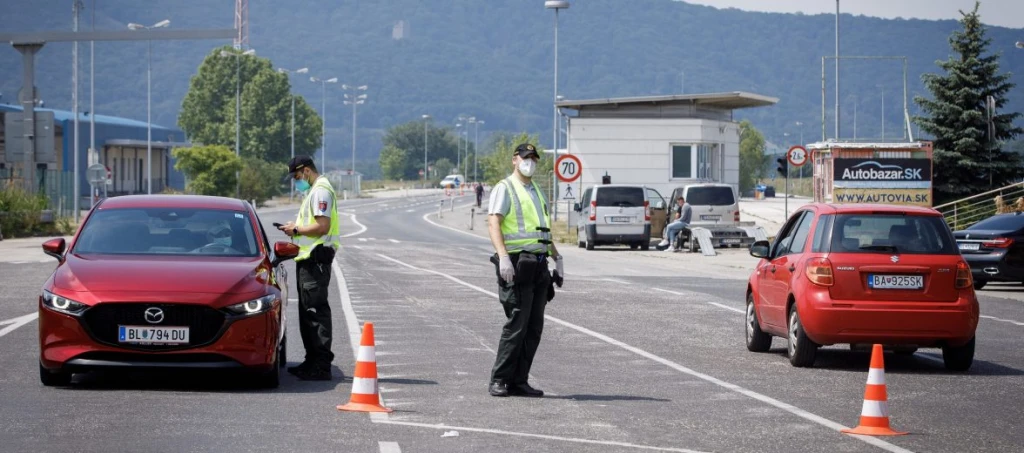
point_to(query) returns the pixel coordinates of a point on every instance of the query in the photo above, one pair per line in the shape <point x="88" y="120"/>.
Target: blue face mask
<point x="302" y="185"/>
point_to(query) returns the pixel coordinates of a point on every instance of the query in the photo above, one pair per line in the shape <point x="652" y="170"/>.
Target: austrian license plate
<point x="152" y="335"/>
<point x="969" y="246"/>
<point x="711" y="217"/>
<point x="895" y="281"/>
<point x="619" y="219"/>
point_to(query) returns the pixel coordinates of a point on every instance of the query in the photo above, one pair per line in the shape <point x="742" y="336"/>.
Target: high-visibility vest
<point x="526" y="227"/>
<point x="308" y="243"/>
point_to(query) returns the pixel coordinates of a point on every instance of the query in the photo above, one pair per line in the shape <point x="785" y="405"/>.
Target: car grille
<point x="205" y="324"/>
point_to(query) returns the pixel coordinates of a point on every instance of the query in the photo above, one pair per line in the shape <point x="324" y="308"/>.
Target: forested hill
<point x="493" y="59"/>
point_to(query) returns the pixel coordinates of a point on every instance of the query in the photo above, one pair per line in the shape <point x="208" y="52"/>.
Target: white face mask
<point x="527" y="167"/>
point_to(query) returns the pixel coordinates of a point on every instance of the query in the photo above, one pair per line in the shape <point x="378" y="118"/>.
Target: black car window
<point x="891" y="233"/>
<point x="821" y="233"/>
<point x="167" y="231"/>
<point x="1006" y="222"/>
<point x="620" y="196"/>
<point x="800" y="237"/>
<point x="785" y="238"/>
<point x="710" y="196"/>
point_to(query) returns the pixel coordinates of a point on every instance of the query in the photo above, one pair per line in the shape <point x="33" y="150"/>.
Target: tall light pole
<point x="837" y="69"/>
<point x="297" y="71"/>
<point x="238" y="109"/>
<point x="881" y="89"/>
<point x="799" y="126"/>
<point x="355" y="100"/>
<point x="323" y="109"/>
<point x="149" y="91"/>
<point x="75" y="9"/>
<point x="476" y="148"/>
<point x="425" y="119"/>
<point x="92" y="92"/>
<point x="458" y="149"/>
<point x="555" y="5"/>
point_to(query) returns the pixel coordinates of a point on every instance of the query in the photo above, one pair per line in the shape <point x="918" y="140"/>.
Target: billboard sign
<point x="898" y="181"/>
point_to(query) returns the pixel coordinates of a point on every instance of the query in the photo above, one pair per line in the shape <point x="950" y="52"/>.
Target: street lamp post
<point x="355" y="100"/>
<point x="476" y="148"/>
<point x="291" y="195"/>
<point x="799" y="126"/>
<point x="149" y="91"/>
<point x="425" y="119"/>
<point x="323" y="109"/>
<point x="238" y="109"/>
<point x="555" y="5"/>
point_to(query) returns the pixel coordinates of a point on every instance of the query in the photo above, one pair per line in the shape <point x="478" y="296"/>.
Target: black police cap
<point x="299" y="162"/>
<point x="526" y="150"/>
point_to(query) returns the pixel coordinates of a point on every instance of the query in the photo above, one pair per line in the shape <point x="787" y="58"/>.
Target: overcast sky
<point x="1004" y="13"/>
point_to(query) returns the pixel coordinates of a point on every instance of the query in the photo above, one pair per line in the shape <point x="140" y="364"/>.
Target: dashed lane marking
<point x="389" y="447"/>
<point x="362" y="228"/>
<point x="16" y="322"/>
<point x="727" y="385"/>
<point x="1017" y="323"/>
<point x="737" y="310"/>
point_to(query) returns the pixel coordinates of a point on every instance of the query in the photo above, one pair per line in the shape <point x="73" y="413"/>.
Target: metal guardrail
<point x="965" y="212"/>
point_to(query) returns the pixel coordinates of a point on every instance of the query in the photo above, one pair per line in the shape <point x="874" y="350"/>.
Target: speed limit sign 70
<point x="568" y="168"/>
<point x="797" y="156"/>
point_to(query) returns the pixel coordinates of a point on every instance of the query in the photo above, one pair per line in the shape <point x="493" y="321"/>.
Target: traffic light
<point x="783" y="167"/>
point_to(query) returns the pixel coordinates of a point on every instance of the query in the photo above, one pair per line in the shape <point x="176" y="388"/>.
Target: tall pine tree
<point x="967" y="157"/>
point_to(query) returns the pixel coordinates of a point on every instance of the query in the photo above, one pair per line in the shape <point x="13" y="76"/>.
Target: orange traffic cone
<point x="874" y="415"/>
<point x="365" y="393"/>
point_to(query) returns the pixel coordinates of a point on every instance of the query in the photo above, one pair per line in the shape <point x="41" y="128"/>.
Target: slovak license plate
<point x="732" y="241"/>
<point x="711" y="217"/>
<point x="152" y="335"/>
<point x="877" y="281"/>
<point x="969" y="246"/>
<point x="619" y="219"/>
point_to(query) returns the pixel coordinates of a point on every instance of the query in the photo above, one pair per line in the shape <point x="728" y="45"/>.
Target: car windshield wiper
<point x="880" y="248"/>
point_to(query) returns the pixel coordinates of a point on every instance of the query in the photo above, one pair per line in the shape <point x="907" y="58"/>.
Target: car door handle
<point x="773" y="269"/>
<point x="792" y="268"/>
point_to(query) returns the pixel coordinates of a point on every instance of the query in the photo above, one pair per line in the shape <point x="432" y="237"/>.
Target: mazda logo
<point x="154" y="315"/>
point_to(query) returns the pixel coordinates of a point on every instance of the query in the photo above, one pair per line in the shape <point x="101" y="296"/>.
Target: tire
<point x="645" y="245"/>
<point x="633" y="246"/>
<point x="979" y="284"/>
<point x="282" y="353"/>
<point x="53" y="379"/>
<point x="580" y="244"/>
<point x="801" y="349"/>
<point x="958" y="358"/>
<point x="757" y="341"/>
<point x="269" y="379"/>
<point x="590" y="245"/>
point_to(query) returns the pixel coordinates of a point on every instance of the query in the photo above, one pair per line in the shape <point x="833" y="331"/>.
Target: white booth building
<point x="660" y="141"/>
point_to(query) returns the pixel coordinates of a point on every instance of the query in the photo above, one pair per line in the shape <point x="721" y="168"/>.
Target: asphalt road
<point x="633" y="358"/>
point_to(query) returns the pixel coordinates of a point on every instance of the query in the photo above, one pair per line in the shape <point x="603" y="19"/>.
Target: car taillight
<point x="593" y="210"/>
<point x="819" y="271"/>
<point x="963" y="275"/>
<point x="647" y="211"/>
<point x="736" y="217"/>
<point x="998" y="243"/>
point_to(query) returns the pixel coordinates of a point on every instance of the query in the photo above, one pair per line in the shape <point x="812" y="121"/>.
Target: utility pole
<point x="76" y="8"/>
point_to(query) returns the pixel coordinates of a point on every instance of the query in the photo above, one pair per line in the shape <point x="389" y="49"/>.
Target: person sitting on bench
<point x="681" y="214"/>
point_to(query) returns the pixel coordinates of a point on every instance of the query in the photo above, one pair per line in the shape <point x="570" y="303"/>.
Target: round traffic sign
<point x="797" y="156"/>
<point x="96" y="173"/>
<point x="568" y="168"/>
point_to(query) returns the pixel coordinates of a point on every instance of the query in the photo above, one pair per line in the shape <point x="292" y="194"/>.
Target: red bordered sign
<point x="797" y="156"/>
<point x="568" y="168"/>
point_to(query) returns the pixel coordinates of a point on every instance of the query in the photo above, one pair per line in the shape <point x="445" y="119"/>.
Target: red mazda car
<point x="165" y="281"/>
<point x="862" y="274"/>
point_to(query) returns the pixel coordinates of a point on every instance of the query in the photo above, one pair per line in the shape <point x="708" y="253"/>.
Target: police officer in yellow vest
<point x="519" y="228"/>
<point x="315" y="230"/>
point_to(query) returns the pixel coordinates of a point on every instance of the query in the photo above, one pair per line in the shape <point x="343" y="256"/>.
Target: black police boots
<point x="524" y="389"/>
<point x="498" y="388"/>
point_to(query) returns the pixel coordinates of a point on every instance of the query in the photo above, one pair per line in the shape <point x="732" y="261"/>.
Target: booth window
<point x="682" y="161"/>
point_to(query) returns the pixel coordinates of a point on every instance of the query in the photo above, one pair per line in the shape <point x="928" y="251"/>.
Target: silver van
<point x="614" y="214"/>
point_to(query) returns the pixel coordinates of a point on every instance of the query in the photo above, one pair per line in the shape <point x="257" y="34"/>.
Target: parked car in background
<point x="862" y="274"/>
<point x="166" y="281"/>
<point x="614" y="214"/>
<point x="453" y="181"/>
<point x="994" y="248"/>
<point x="716" y="208"/>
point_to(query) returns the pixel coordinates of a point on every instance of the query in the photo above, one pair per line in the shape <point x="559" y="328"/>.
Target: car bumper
<point x="888" y="322"/>
<point x="250" y="342"/>
<point x="601" y="236"/>
<point x="993" y="267"/>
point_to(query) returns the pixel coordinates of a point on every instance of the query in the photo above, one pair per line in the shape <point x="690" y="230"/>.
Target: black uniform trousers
<point x="314" y="311"/>
<point x="524" y="305"/>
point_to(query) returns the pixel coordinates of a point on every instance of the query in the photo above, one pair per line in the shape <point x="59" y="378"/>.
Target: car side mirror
<point x="760" y="249"/>
<point x="576" y="207"/>
<point x="284" y="251"/>
<point x="55" y="248"/>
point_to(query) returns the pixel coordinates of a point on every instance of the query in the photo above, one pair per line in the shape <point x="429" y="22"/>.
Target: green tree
<point x="262" y="180"/>
<point x="209" y="170"/>
<point x="393" y="162"/>
<point x="752" y="157"/>
<point x="441" y="143"/>
<point x="498" y="164"/>
<point x="208" y="110"/>
<point x="444" y="167"/>
<point x="966" y="159"/>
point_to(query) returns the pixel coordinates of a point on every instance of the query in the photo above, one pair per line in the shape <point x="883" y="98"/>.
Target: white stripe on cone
<point x="364" y="386"/>
<point x="366" y="354"/>
<point x="875" y="409"/>
<point x="876" y="376"/>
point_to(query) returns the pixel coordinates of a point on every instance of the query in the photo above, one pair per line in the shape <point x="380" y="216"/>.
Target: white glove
<point x="505" y="268"/>
<point x="558" y="266"/>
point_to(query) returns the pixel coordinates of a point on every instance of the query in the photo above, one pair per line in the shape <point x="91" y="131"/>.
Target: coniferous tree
<point x="967" y="157"/>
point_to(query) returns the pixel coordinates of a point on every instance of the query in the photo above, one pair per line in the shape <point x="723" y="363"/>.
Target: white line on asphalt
<point x="389" y="447"/>
<point x="425" y="217"/>
<point x="352" y="324"/>
<point x="362" y="239"/>
<point x="930" y="358"/>
<point x="621" y="282"/>
<point x="737" y="310"/>
<point x="735" y="388"/>
<point x="1003" y="320"/>
<point x="537" y="436"/>
<point x="17" y="322"/>
<point x="396" y="241"/>
<point x="361" y="226"/>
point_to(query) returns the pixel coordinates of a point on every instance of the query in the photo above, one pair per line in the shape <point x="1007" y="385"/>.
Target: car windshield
<point x="710" y="196"/>
<point x="620" y="196"/>
<point x="1002" y="222"/>
<point x="167" y="231"/>
<point x="891" y="233"/>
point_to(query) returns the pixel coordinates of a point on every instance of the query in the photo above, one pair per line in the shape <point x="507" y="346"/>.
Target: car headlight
<point x="62" y="304"/>
<point x="253" y="307"/>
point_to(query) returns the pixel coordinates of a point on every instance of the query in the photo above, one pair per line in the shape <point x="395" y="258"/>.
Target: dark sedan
<point x="994" y="248"/>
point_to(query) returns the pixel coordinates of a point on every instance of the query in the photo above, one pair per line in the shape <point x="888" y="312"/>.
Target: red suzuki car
<point x="862" y="274"/>
<point x="165" y="281"/>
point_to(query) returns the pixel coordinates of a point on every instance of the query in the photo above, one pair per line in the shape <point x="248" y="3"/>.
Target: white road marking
<point x="733" y="387"/>
<point x="930" y="358"/>
<point x="737" y="310"/>
<point x="410" y="210"/>
<point x="16" y="322"/>
<point x="396" y="241"/>
<point x="389" y="447"/>
<point x="355" y="333"/>
<point x="425" y="217"/>
<point x="362" y="228"/>
<point x="536" y="436"/>
<point x="621" y="282"/>
<point x="1003" y="320"/>
<point x="362" y="239"/>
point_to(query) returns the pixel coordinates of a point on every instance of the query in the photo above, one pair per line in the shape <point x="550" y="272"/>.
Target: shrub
<point x="21" y="212"/>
